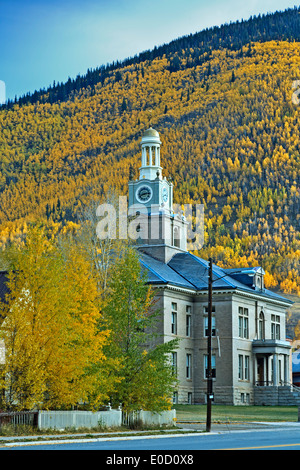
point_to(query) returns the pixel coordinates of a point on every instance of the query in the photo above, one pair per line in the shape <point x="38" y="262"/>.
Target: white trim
<point x="253" y="296"/>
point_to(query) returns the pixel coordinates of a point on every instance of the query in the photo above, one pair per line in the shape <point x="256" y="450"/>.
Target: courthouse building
<point x="250" y="354"/>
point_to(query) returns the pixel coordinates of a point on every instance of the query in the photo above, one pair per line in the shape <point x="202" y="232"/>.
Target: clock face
<point x="165" y="194"/>
<point x="144" y="194"/>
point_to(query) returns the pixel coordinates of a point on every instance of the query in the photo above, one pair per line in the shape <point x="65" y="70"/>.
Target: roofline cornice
<point x="254" y="295"/>
<point x="184" y="290"/>
<point x="286" y="303"/>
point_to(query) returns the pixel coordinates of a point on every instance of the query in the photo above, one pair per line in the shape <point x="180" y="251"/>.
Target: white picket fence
<point x="106" y="419"/>
<point x="149" y="418"/>
<point x="79" y="419"/>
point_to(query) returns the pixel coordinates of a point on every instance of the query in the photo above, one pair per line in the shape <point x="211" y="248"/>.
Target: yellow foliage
<point x="54" y="348"/>
<point x="239" y="147"/>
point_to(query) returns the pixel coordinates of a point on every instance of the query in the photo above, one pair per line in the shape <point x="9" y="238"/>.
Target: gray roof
<point x="161" y="273"/>
<point x="190" y="271"/>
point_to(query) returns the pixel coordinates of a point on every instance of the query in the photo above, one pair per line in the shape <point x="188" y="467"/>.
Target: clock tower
<point x="160" y="232"/>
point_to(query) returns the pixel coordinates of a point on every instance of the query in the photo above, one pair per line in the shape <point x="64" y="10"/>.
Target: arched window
<point x="176" y="234"/>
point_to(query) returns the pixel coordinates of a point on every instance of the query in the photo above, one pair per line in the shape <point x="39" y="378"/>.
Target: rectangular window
<point x="213" y="326"/>
<point x="213" y="365"/>
<point x="246" y="323"/>
<point x="277" y="332"/>
<point x="188" y="366"/>
<point x="174" y="319"/>
<point x="174" y="362"/>
<point x="273" y="334"/>
<point x="240" y="326"/>
<point x="243" y="323"/>
<point x="188" y="325"/>
<point x="213" y="309"/>
<point x="244" y="367"/>
<point x="174" y="323"/>
<point x="247" y="368"/>
<point x="275" y="326"/>
<point x="241" y="366"/>
<point x="175" y="397"/>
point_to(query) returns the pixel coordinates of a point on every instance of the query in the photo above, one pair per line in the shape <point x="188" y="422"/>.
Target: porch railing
<point x="293" y="387"/>
<point x="281" y="383"/>
<point x="264" y="383"/>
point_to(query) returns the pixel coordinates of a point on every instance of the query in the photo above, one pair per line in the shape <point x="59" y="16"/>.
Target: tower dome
<point x="150" y="133"/>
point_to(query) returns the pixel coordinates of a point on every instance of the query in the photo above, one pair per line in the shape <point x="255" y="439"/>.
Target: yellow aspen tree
<point x="50" y="328"/>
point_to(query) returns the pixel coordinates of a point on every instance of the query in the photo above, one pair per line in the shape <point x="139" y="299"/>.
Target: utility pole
<point x="210" y="395"/>
<point x="209" y="335"/>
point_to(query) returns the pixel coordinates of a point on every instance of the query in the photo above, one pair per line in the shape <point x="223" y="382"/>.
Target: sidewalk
<point x="235" y="426"/>
<point x="43" y="438"/>
<point x="187" y="428"/>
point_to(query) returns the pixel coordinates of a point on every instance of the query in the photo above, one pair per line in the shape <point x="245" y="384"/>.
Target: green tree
<point x="147" y="378"/>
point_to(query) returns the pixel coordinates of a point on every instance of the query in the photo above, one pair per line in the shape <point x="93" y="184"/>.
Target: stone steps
<point x="277" y="396"/>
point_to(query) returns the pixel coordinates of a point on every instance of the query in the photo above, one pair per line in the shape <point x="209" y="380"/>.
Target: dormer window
<point x="258" y="279"/>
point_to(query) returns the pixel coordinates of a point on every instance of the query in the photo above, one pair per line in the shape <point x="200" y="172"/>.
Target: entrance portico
<point x="272" y="362"/>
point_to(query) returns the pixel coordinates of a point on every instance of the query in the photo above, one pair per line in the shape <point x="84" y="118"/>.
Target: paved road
<point x="283" y="437"/>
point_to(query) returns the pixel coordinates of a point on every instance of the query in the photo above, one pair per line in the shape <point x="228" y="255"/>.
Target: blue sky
<point x="42" y="40"/>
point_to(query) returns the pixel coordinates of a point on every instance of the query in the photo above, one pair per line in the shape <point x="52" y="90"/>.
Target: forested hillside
<point x="222" y="103"/>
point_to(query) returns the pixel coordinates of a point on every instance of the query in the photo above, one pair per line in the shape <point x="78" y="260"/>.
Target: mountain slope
<point x="230" y="134"/>
<point x="281" y="25"/>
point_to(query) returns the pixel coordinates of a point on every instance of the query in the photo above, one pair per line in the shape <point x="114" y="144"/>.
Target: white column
<point x="150" y="156"/>
<point x="144" y="156"/>
<point x="156" y="156"/>
<point x="275" y="380"/>
<point x="286" y="369"/>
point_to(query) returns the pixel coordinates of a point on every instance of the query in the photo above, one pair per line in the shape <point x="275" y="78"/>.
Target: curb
<point x="101" y="439"/>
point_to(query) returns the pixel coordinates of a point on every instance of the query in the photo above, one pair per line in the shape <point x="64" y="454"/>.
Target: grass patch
<point x="9" y="430"/>
<point x="26" y="430"/>
<point x="61" y="436"/>
<point x="220" y="413"/>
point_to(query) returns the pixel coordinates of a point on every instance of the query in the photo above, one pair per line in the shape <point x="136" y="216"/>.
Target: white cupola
<point x="150" y="168"/>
